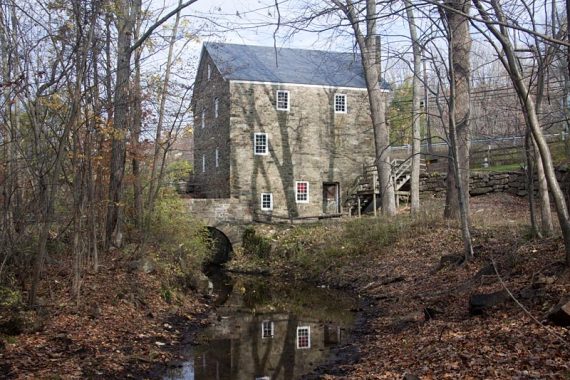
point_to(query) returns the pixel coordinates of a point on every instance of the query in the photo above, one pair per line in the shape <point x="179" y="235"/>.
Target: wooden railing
<point x="367" y="184"/>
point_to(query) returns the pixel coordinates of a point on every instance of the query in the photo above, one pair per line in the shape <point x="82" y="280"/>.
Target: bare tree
<point x="417" y="94"/>
<point x="457" y="198"/>
<point x="369" y="45"/>
<point x="154" y="184"/>
<point x="126" y="21"/>
<point x="460" y="68"/>
<point x="496" y="22"/>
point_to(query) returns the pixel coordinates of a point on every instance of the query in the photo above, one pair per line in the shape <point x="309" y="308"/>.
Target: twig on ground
<point x="526" y="311"/>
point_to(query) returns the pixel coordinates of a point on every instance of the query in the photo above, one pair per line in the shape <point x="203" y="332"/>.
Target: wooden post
<point x="374" y="192"/>
<point x="359" y="207"/>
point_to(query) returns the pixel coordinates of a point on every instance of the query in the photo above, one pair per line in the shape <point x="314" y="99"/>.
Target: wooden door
<point x="331" y="204"/>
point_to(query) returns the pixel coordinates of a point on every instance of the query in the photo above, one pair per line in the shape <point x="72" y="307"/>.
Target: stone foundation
<point x="216" y="211"/>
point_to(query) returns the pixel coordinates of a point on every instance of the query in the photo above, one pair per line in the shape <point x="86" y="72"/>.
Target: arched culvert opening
<point x="221" y="247"/>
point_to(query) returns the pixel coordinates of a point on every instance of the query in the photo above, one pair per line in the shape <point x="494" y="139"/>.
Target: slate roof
<point x="298" y="66"/>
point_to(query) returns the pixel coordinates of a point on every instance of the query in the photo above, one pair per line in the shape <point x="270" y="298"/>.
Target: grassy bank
<point x="313" y="250"/>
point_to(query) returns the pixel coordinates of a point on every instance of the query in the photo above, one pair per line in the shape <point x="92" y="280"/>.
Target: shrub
<point x="178" y="171"/>
<point x="317" y="247"/>
<point x="183" y="242"/>
<point x="9" y="297"/>
<point x="256" y="245"/>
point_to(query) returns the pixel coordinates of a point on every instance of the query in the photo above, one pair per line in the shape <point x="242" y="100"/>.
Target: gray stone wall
<point x="484" y="183"/>
<point x="214" y="181"/>
<point x="308" y="143"/>
<point x="214" y="212"/>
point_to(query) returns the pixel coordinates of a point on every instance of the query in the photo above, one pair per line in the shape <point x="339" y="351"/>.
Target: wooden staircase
<point x="366" y="187"/>
<point x="401" y="174"/>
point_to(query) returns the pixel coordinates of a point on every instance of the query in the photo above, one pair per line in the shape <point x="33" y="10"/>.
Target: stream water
<point x="267" y="330"/>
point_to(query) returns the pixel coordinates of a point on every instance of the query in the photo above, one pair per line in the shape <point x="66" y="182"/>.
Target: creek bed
<point x="267" y="329"/>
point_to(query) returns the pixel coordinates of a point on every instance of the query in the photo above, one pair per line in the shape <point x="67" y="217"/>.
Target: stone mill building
<point x="279" y="133"/>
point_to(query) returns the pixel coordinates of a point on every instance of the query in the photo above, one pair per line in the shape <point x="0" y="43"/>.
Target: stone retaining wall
<point x="484" y="183"/>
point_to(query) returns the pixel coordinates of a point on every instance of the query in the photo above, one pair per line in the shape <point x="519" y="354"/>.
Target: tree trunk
<point x="511" y="63"/>
<point x="92" y="172"/>
<point x="154" y="185"/>
<point x="369" y="46"/>
<point x="136" y="132"/>
<point x="535" y="231"/>
<point x="125" y="28"/>
<point x="78" y="197"/>
<point x="546" y="225"/>
<point x="6" y="135"/>
<point x="460" y="47"/>
<point x="545" y="212"/>
<point x="48" y="183"/>
<point x="416" y="138"/>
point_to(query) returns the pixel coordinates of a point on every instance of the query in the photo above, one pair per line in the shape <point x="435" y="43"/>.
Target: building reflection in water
<point x="268" y="331"/>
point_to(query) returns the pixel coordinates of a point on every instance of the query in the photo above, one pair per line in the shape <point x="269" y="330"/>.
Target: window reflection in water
<point x="268" y="330"/>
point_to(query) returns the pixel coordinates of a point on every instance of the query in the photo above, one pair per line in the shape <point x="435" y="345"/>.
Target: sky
<point x="255" y="22"/>
<point x="251" y="22"/>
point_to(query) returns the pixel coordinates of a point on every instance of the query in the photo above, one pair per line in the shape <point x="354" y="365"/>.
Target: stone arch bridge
<point x="226" y="219"/>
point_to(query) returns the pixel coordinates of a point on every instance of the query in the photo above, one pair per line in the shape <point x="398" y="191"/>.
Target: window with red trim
<point x="302" y="191"/>
<point x="304" y="337"/>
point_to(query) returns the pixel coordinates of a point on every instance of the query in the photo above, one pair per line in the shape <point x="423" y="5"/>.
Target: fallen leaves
<point x="504" y="343"/>
<point x="115" y="341"/>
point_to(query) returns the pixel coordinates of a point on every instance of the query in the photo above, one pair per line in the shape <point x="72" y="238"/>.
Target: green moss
<point x="9" y="297"/>
<point x="256" y="245"/>
<point x="166" y="294"/>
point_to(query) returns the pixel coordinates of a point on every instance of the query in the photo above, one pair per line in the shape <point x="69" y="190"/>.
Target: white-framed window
<point x="209" y="71"/>
<point x="267" y="329"/>
<point x="263" y="378"/>
<point x="283" y="100"/>
<point x="203" y="163"/>
<point x="267" y="201"/>
<point x="216" y="107"/>
<point x="217" y="158"/>
<point x="303" y="337"/>
<point x="340" y="105"/>
<point x="203" y="117"/>
<point x="302" y="191"/>
<point x="260" y="144"/>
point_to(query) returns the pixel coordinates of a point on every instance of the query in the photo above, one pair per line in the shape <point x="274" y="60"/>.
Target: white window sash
<point x="255" y="145"/>
<point x="203" y="163"/>
<point x="271" y="330"/>
<point x="217" y="158"/>
<point x="297" y="193"/>
<point x="270" y="195"/>
<point x="209" y="71"/>
<point x="203" y="118"/>
<point x="216" y="107"/>
<point x="308" y="329"/>
<point x="288" y="97"/>
<point x="345" y="103"/>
